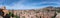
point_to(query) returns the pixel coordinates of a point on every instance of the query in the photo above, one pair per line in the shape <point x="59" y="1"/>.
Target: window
<point x="23" y="16"/>
<point x="31" y="17"/>
<point x="21" y="12"/>
<point x="40" y="16"/>
<point x="37" y="16"/>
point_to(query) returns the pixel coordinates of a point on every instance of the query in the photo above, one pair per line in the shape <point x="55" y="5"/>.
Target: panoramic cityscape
<point x="29" y="8"/>
<point x="47" y="12"/>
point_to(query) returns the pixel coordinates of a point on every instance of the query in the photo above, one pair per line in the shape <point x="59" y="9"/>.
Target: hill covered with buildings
<point x="47" y="12"/>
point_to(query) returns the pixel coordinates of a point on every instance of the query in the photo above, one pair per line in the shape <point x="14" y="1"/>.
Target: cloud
<point x="20" y="5"/>
<point x="29" y="4"/>
<point x="7" y="2"/>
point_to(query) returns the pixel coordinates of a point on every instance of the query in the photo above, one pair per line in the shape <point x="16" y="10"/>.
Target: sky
<point x="29" y="4"/>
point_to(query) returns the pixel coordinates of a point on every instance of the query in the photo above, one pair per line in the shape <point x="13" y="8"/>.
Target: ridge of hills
<point x="50" y="8"/>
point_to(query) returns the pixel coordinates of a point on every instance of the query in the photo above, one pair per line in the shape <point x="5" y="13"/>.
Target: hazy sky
<point x="28" y="4"/>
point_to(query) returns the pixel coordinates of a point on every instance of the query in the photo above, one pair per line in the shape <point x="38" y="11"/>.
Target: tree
<point x="11" y="14"/>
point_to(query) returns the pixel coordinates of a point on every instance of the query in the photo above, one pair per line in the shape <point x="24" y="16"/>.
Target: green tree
<point x="11" y="14"/>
